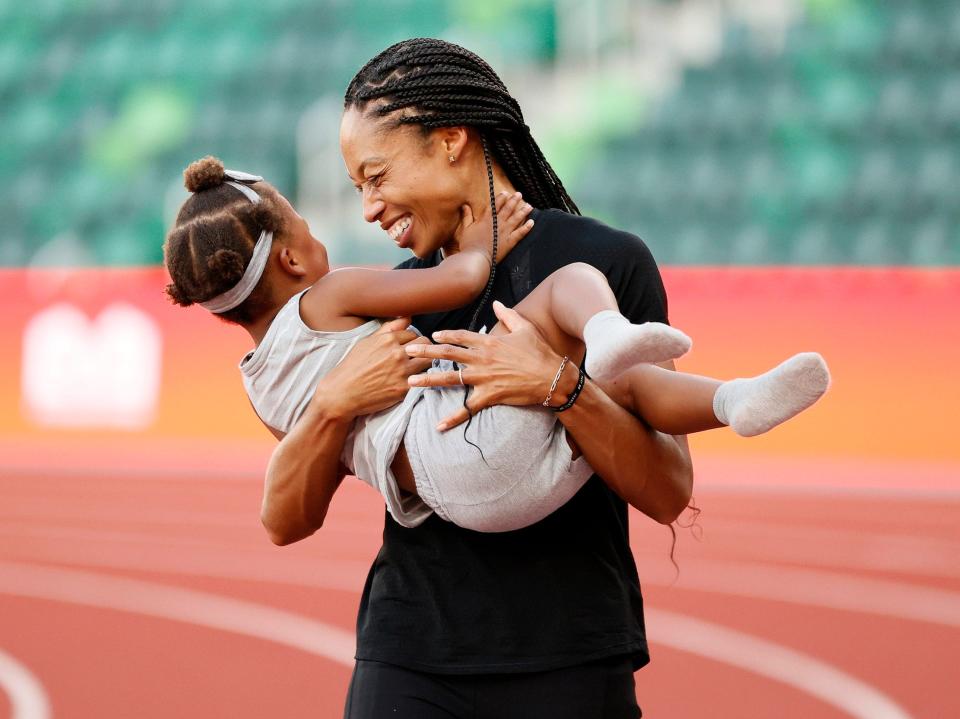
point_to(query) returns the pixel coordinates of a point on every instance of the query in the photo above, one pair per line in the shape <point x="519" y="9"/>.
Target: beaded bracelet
<point x="563" y="363"/>
<point x="573" y="395"/>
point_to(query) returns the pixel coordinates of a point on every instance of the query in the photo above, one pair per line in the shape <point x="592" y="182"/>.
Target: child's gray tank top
<point x="281" y="375"/>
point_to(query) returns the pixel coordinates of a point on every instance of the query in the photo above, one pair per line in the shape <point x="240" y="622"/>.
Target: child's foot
<point x="755" y="405"/>
<point x="614" y="344"/>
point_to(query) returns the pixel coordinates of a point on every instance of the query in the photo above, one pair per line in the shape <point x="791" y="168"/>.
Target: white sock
<point x="614" y="344"/>
<point x="755" y="405"/>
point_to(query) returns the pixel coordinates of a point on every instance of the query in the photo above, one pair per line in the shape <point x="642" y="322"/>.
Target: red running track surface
<point x="158" y="596"/>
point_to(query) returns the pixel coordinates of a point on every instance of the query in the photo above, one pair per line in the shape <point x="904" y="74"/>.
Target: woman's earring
<point x="452" y="159"/>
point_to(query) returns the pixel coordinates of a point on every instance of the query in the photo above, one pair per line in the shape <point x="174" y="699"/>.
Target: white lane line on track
<point x="854" y="549"/>
<point x="773" y="661"/>
<point x="15" y="517"/>
<point x="813" y="587"/>
<point x="255" y="620"/>
<point x="152" y="519"/>
<point x="324" y="573"/>
<point x="178" y="604"/>
<point x="28" y="699"/>
<point x="755" y="542"/>
<point x="808" y="587"/>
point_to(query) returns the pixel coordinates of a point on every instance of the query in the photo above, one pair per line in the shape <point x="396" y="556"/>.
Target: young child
<point x="240" y="250"/>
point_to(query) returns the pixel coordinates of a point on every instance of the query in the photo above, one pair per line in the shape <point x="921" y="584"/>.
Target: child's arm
<point x="363" y="292"/>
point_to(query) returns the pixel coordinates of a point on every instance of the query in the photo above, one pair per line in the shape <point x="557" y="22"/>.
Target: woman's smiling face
<point x="405" y="179"/>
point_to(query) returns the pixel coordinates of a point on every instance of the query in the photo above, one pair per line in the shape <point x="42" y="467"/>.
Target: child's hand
<point x="476" y="233"/>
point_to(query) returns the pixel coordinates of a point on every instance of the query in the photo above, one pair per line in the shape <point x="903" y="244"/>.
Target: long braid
<point x="496" y="235"/>
<point x="488" y="289"/>
<point x="433" y="83"/>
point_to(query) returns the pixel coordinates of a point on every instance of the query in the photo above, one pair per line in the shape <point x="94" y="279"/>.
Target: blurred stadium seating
<point x="843" y="147"/>
<point x="105" y="103"/>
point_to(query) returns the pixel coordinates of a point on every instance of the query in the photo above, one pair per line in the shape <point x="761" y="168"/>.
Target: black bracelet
<point x="573" y="395"/>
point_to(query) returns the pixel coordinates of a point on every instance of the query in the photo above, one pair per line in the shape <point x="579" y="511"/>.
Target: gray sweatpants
<point x="524" y="473"/>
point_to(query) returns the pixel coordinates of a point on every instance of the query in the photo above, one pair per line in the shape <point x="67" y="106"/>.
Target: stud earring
<point x="452" y="159"/>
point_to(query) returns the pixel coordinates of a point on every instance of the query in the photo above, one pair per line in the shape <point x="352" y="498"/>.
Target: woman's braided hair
<point x="440" y="84"/>
<point x="433" y="83"/>
<point x="212" y="240"/>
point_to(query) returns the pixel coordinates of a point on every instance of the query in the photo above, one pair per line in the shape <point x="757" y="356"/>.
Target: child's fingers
<point x="510" y="204"/>
<point x="397" y="325"/>
<point x="521" y="232"/>
<point x="521" y="210"/>
<point x="519" y="215"/>
<point x="501" y="198"/>
<point x="516" y="225"/>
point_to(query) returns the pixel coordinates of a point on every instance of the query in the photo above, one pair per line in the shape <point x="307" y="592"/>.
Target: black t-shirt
<point x="558" y="593"/>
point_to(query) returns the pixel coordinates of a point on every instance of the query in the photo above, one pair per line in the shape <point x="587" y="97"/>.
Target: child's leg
<point x="575" y="303"/>
<point x="678" y="403"/>
<point x="671" y="402"/>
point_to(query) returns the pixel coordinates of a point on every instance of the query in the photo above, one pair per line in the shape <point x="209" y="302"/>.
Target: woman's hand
<point x="513" y="368"/>
<point x="305" y="471"/>
<point x="373" y="376"/>
<point x="648" y="469"/>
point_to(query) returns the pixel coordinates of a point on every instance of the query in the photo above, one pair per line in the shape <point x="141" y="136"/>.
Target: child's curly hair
<point x="212" y="241"/>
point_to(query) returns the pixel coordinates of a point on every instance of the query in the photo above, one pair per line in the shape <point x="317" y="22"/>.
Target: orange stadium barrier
<point x="99" y="369"/>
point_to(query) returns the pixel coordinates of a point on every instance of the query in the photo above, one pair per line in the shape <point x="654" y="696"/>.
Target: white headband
<point x="235" y="296"/>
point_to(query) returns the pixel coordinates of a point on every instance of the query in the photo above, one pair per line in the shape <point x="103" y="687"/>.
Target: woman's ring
<point x="460" y="372"/>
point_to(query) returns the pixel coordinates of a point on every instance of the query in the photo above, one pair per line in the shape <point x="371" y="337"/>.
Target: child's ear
<point x="290" y="262"/>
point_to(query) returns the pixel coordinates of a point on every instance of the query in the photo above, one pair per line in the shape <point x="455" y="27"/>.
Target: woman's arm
<point x="650" y="470"/>
<point x="305" y="470"/>
<point x="363" y="292"/>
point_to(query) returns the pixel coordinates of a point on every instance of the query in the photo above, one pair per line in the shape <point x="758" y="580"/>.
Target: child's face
<point x="405" y="182"/>
<point x="308" y="250"/>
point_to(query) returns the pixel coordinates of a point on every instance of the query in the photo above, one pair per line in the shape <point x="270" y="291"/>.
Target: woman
<point x="547" y="620"/>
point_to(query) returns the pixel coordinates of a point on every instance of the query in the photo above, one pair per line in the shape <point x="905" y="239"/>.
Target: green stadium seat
<point x="938" y="176"/>
<point x="751" y="245"/>
<point x="945" y="114"/>
<point x="814" y="244"/>
<point x="878" y="243"/>
<point x="930" y="242"/>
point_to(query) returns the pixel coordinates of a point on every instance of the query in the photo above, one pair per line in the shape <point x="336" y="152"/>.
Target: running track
<point x="831" y="591"/>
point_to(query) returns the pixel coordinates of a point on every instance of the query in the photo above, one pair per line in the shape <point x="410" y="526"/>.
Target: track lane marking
<point x="189" y="606"/>
<point x="754" y="580"/>
<point x="679" y="631"/>
<point x="856" y="549"/>
<point x="738" y="649"/>
<point x="773" y="661"/>
<point x="813" y="587"/>
<point x="755" y="542"/>
<point x="28" y="699"/>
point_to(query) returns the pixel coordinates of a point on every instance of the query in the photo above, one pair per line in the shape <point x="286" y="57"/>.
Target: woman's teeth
<point x="399" y="228"/>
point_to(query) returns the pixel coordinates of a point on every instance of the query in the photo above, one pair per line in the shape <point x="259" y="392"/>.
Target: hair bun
<point x="203" y="174"/>
<point x="228" y="264"/>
